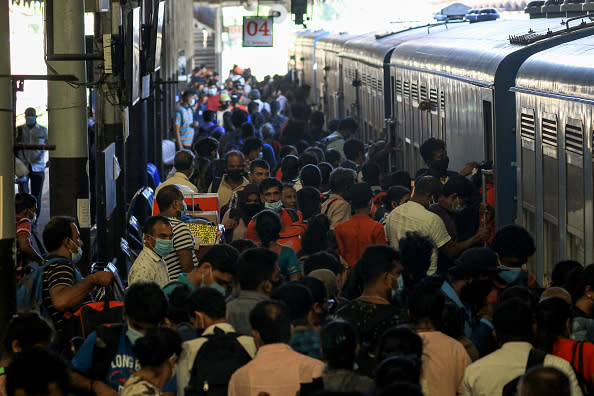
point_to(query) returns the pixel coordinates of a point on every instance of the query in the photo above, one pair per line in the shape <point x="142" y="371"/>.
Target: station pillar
<point x="67" y="129"/>
<point x="7" y="216"/>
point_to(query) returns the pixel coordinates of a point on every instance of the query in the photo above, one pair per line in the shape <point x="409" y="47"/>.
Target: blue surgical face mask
<point x="133" y="335"/>
<point x="276" y="206"/>
<point x="509" y="275"/>
<point x="214" y="285"/>
<point x="31" y="120"/>
<point x="193" y="102"/>
<point x="34" y="218"/>
<point x="163" y="246"/>
<point x="212" y="91"/>
<point x="185" y="211"/>
<point x="76" y="256"/>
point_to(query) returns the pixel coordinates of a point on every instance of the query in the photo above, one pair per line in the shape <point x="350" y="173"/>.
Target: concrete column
<point x="69" y="182"/>
<point x="219" y="39"/>
<point x="7" y="219"/>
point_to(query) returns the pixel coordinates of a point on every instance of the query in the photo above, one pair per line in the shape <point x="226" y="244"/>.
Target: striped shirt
<point x="184" y="118"/>
<point x="182" y="239"/>
<point x="59" y="273"/>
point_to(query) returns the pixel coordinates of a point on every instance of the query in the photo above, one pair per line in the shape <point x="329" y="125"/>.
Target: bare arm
<point x="25" y="246"/>
<point x="65" y="298"/>
<point x="178" y="137"/>
<point x="186" y="259"/>
<point x="452" y="249"/>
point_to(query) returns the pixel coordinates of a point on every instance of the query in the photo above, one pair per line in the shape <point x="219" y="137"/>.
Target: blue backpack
<point x="29" y="288"/>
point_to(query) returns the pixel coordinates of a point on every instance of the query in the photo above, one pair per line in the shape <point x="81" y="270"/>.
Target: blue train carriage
<point x="305" y="59"/>
<point x="330" y="74"/>
<point x="456" y="86"/>
<point x="554" y="110"/>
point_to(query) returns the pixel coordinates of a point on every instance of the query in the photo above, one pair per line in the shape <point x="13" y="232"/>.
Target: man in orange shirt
<point x="354" y="235"/>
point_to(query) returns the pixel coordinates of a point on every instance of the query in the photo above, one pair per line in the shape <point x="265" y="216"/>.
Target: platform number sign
<point x="257" y="31"/>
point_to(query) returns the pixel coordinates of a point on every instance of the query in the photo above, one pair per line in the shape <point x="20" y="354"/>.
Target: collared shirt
<point x="412" y="216"/>
<point x="337" y="209"/>
<point x="184" y="118"/>
<point x="148" y="266"/>
<point x="447" y="289"/>
<point x="488" y="376"/>
<point x="239" y="308"/>
<point x="35" y="135"/>
<point x="191" y="348"/>
<point x="277" y="370"/>
<point x="355" y="234"/>
<point x="182" y="240"/>
<point x="225" y="191"/>
<point x="179" y="179"/>
<point x="444" y="362"/>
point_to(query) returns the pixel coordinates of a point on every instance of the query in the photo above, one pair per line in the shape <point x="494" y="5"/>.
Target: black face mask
<point x="442" y="164"/>
<point x="252" y="209"/>
<point x="235" y="174"/>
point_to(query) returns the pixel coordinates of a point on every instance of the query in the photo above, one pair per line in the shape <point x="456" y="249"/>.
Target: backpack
<point x="290" y="236"/>
<point x="216" y="361"/>
<point x="105" y="349"/>
<point x="535" y="358"/>
<point x="30" y="288"/>
<point x="376" y="203"/>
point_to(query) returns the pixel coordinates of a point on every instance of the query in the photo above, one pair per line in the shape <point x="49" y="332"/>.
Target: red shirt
<point x="286" y="221"/>
<point x="355" y="234"/>
<point x="564" y="349"/>
<point x="212" y="103"/>
<point x="23" y="227"/>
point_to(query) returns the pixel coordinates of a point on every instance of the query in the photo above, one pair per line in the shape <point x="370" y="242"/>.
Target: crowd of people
<point x="337" y="275"/>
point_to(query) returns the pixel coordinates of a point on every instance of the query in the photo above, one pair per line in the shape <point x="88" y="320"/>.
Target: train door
<point x="574" y="197"/>
<point x="527" y="176"/>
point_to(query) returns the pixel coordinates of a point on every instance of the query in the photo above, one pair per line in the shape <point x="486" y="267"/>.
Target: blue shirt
<point x="184" y="118"/>
<point x="288" y="263"/>
<point x="123" y="365"/>
<point x="307" y="342"/>
<point x="451" y="294"/>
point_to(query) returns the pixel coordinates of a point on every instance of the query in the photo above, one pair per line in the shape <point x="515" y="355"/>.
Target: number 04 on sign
<point x="257" y="31"/>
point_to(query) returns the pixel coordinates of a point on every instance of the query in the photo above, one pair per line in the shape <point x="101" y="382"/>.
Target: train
<point x="519" y="93"/>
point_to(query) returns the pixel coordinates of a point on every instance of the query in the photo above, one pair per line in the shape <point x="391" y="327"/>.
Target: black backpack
<point x="216" y="361"/>
<point x="535" y="358"/>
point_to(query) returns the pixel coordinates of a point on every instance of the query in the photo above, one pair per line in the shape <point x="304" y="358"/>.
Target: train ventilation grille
<point x="415" y="91"/>
<point x="442" y="102"/>
<point x="406" y="89"/>
<point x="398" y="87"/>
<point x="549" y="132"/>
<point x="433" y="99"/>
<point x="527" y="123"/>
<point x="574" y="138"/>
<point x="424" y="93"/>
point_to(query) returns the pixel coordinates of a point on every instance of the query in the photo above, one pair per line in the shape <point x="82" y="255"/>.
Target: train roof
<point x="476" y="51"/>
<point x="374" y="47"/>
<point x="309" y="37"/>
<point x="566" y="70"/>
<point x="335" y="41"/>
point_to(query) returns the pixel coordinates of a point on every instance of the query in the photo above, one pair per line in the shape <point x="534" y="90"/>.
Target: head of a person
<point x="318" y="152"/>
<point x="170" y="200"/>
<point x="271" y="323"/>
<point x="399" y="341"/>
<point x="400" y="178"/>
<point x="415" y="257"/>
<point x="177" y="299"/>
<point x="371" y="172"/>
<point x="396" y="196"/>
<point x="513" y="245"/>
<point x="212" y="88"/>
<point x="208" y="116"/>
<point x="290" y="168"/>
<point x="340" y="345"/>
<point x="325" y="170"/>
<point x="398" y="370"/>
<point x="581" y="287"/>
<point x="26" y="330"/>
<point x="316" y="120"/>
<point x="252" y="148"/>
<point x="289" y="196"/>
<point x="333" y="157"/>
<point x="158" y="352"/>
<point x="206" y="307"/>
<point x="449" y="198"/>
<point x="267" y="131"/>
<point x="49" y="371"/>
<point x="348" y="127"/>
<point x="243" y="244"/>
<point x="562" y="271"/>
<point x="513" y="321"/>
<point x="325" y="261"/>
<point x="307" y="158"/>
<point x="298" y="299"/>
<point x="354" y="150"/>
<point x="157" y="235"/>
<point x="333" y="124"/>
<point x="380" y="268"/>
<point x="427" y="190"/>
<point x="360" y="197"/>
<point x="30" y="117"/>
<point x="544" y="381"/>
<point x="348" y="164"/>
<point x="315" y="238"/>
<point x="288" y="149"/>
<point x="235" y="165"/>
<point x="25" y="205"/>
<point x="218" y="268"/>
<point x="238" y="117"/>
<point x="310" y="176"/>
<point x="184" y="162"/>
<point x="61" y="237"/>
<point x="275" y="107"/>
<point x="330" y="281"/>
<point x="257" y="270"/>
<point x="426" y="303"/>
<point x="253" y="108"/>
<point x="187" y="97"/>
<point x="553" y="321"/>
<point x="259" y="170"/>
<point x="341" y="181"/>
<point x="247" y="130"/>
<point x="319" y="292"/>
<point x="268" y="227"/>
<point x="434" y="154"/>
<point x="207" y="148"/>
<point x="309" y="202"/>
<point x="270" y="193"/>
<point x="145" y="307"/>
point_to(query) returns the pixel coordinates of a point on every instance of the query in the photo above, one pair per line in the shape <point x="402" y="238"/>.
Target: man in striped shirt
<point x="183" y="258"/>
<point x="184" y="122"/>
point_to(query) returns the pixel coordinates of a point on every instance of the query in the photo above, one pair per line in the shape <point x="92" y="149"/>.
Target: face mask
<point x="212" y="91"/>
<point x="31" y="120"/>
<point x="442" y="164"/>
<point x="213" y="285"/>
<point x="34" y="220"/>
<point x="509" y="275"/>
<point x="261" y="155"/>
<point x="235" y="174"/>
<point x="163" y="246"/>
<point x="276" y="206"/>
<point x="252" y="209"/>
<point x="133" y="335"/>
<point x="459" y="209"/>
<point x="184" y="211"/>
<point x="76" y="256"/>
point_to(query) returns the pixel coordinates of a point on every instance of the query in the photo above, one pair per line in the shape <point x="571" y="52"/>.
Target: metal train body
<point x="456" y="83"/>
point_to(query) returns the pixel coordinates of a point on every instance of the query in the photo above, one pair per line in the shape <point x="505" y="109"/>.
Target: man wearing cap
<point x="360" y="231"/>
<point x="254" y="96"/>
<point x="469" y="284"/>
<point x="34" y="160"/>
